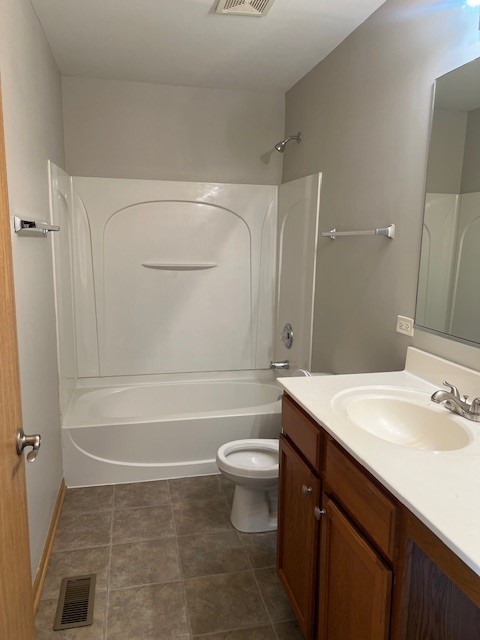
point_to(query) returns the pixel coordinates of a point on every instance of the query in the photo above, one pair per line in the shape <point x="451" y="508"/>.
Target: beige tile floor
<point x="169" y="566"/>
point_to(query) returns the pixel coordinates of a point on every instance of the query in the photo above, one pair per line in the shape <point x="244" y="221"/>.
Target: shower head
<point x="280" y="146"/>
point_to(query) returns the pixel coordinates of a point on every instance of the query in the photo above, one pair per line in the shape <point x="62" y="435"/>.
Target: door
<point x="355" y="585"/>
<point x="16" y="604"/>
<point x="299" y="494"/>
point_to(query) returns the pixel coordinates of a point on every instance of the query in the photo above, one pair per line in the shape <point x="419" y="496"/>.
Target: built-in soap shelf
<point x="179" y="266"/>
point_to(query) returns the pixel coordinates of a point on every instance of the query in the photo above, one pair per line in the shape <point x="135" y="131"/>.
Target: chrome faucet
<point x="281" y="364"/>
<point x="459" y="405"/>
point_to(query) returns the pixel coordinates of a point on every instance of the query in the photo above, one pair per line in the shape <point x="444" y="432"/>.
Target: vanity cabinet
<point x="355" y="563"/>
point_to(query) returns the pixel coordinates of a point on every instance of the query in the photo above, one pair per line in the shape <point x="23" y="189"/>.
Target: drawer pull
<point x="318" y="513"/>
<point x="306" y="490"/>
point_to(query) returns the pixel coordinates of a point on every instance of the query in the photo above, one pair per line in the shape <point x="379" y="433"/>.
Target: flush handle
<point x="24" y="441"/>
<point x="306" y="490"/>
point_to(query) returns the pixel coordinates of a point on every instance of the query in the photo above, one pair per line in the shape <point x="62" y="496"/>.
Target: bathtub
<point x="140" y="432"/>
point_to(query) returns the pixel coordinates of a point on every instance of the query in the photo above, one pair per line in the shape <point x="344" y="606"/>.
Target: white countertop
<point x="441" y="488"/>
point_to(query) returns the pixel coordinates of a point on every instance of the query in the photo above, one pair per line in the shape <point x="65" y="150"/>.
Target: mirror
<point x="448" y="295"/>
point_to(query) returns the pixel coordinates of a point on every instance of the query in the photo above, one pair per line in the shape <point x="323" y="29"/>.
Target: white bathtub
<point x="140" y="432"/>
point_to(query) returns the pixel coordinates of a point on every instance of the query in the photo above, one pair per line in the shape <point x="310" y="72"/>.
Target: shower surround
<point x="167" y="272"/>
<point x="166" y="310"/>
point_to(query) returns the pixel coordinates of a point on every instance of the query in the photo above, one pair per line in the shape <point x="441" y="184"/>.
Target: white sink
<point x="404" y="418"/>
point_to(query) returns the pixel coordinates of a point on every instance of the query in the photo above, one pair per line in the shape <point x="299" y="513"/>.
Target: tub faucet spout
<point x="281" y="364"/>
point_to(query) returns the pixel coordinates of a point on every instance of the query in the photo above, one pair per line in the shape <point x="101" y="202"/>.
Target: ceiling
<point x="184" y="42"/>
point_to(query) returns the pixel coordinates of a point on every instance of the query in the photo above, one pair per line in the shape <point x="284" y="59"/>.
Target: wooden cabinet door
<point x="299" y="494"/>
<point x="355" y="585"/>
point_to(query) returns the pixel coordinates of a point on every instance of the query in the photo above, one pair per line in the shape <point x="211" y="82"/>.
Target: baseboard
<point x="47" y="550"/>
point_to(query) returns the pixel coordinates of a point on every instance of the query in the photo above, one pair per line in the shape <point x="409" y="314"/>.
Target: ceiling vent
<point x="256" y="8"/>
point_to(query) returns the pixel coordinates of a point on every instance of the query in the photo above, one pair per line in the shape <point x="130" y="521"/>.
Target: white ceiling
<point x="183" y="42"/>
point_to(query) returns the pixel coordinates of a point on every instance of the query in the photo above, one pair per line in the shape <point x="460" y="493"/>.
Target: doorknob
<point x="24" y="441"/>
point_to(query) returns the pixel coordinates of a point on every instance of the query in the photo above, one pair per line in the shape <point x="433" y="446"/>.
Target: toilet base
<point x="254" y="510"/>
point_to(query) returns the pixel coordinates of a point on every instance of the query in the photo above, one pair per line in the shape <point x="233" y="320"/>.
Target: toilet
<point x="252" y="465"/>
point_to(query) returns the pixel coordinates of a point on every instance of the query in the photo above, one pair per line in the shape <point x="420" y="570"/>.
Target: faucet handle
<point x="453" y="389"/>
<point x="475" y="407"/>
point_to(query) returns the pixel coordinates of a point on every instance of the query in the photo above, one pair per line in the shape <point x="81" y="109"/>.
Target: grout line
<point x="91" y="546"/>
<point x="219" y="573"/>
<point x="140" y="540"/>
<point x="164" y="504"/>
<point x="231" y="529"/>
<point x="139" y="507"/>
<point x="224" y="631"/>
<point x="146" y="584"/>
<point x="84" y="512"/>
<point x="107" y="604"/>
<point x="262" y="599"/>
<point x="223" y="529"/>
<point x="224" y="493"/>
<point x="182" y="579"/>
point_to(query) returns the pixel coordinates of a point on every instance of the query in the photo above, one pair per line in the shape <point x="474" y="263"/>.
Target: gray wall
<point x="471" y="161"/>
<point x="33" y="130"/>
<point x="118" y="129"/>
<point x="447" y="146"/>
<point x="364" y="113"/>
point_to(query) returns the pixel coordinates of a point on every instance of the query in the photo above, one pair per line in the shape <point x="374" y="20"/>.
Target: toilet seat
<point x="255" y="458"/>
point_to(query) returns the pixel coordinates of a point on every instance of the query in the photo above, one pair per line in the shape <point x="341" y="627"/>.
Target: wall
<point x="33" y="129"/>
<point x="471" y="161"/>
<point x="116" y="129"/>
<point x="447" y="146"/>
<point x="364" y="113"/>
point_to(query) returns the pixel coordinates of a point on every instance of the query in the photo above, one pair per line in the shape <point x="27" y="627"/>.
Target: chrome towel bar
<point x="32" y="227"/>
<point x="388" y="232"/>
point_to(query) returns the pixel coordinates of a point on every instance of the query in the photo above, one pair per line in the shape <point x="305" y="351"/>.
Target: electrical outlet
<point x="405" y="325"/>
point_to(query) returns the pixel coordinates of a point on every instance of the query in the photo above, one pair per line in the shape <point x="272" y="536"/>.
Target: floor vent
<point x="256" y="8"/>
<point x="75" y="602"/>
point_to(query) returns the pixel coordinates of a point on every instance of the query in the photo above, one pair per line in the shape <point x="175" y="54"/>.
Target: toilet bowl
<point x="252" y="465"/>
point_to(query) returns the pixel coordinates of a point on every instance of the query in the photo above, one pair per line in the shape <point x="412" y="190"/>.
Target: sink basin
<point x="405" y="419"/>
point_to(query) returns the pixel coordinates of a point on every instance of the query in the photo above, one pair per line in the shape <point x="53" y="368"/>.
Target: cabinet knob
<point x="306" y="490"/>
<point x="318" y="513"/>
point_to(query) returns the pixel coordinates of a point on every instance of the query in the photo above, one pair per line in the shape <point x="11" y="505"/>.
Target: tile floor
<point x="169" y="566"/>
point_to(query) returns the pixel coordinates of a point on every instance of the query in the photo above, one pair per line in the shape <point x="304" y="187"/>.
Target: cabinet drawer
<point x="302" y="431"/>
<point x="367" y="504"/>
